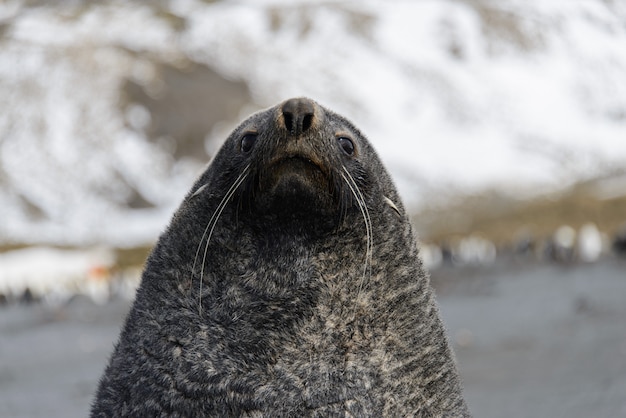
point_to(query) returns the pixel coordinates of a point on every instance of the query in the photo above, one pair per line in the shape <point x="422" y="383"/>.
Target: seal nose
<point x="298" y="115"/>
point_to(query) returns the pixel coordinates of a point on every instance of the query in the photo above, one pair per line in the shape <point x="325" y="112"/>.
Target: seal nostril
<point x="289" y="122"/>
<point x="307" y="121"/>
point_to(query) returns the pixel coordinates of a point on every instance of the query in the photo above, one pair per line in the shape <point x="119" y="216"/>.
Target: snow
<point x="454" y="102"/>
<point x="478" y="121"/>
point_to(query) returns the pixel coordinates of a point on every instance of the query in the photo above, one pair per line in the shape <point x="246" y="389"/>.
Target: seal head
<point x="288" y="283"/>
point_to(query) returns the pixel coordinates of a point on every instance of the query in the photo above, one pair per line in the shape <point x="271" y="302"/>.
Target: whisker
<point x="211" y="226"/>
<point x="232" y="188"/>
<point x="367" y="218"/>
<point x="356" y="192"/>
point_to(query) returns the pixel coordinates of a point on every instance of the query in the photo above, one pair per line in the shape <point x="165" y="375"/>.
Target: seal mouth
<point x="297" y="160"/>
<point x="298" y="165"/>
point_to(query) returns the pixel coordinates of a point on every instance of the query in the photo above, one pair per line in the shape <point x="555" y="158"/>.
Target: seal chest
<point x="288" y="283"/>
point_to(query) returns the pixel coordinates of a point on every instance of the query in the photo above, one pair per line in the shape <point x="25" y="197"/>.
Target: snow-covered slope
<point x="457" y="96"/>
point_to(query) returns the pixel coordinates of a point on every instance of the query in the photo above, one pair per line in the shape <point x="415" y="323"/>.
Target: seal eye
<point x="247" y="141"/>
<point x="346" y="145"/>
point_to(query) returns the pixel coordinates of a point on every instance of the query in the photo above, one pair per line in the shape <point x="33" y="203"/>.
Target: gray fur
<point x="278" y="301"/>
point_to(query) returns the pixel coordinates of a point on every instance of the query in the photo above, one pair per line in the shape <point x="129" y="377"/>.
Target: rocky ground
<point x="532" y="340"/>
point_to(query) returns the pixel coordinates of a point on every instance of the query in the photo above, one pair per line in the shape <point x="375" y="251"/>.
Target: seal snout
<point x="298" y="115"/>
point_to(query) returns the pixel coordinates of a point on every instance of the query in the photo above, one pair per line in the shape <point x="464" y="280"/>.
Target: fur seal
<point x="288" y="283"/>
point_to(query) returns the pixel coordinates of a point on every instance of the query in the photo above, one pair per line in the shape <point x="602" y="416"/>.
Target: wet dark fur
<point x="279" y="309"/>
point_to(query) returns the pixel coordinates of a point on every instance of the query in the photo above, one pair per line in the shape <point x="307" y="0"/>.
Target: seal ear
<point x="392" y="205"/>
<point x="200" y="189"/>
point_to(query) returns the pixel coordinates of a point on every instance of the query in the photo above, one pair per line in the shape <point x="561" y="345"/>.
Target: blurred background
<point x="503" y="124"/>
